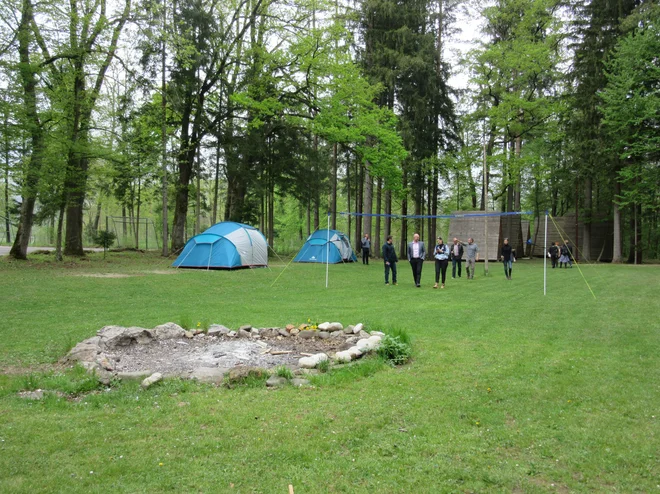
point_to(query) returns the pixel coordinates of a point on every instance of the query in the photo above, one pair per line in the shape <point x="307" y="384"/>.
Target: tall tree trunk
<point x="375" y="248"/>
<point x="403" y="246"/>
<point x="333" y="188"/>
<point x="6" y="176"/>
<point x="271" y="213"/>
<point x="163" y="133"/>
<point x="309" y="217"/>
<point x="586" y="219"/>
<point x="616" y="219"/>
<point x="359" y="191"/>
<point x="137" y="217"/>
<point x="83" y="105"/>
<point x="97" y="217"/>
<point x="367" y="202"/>
<point x="60" y="221"/>
<point x="185" y="161"/>
<point x="348" y="195"/>
<point x="388" y="213"/>
<point x="33" y="167"/>
<point x="216" y="181"/>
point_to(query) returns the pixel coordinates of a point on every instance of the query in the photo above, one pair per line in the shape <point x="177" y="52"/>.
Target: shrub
<point x="394" y="350"/>
<point x="103" y="238"/>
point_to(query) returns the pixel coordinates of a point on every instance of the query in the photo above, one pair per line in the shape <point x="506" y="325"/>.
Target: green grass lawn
<point x="509" y="390"/>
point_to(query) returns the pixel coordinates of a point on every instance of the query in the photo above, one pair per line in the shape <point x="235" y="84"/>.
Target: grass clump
<point x="394" y="350"/>
<point x="284" y="371"/>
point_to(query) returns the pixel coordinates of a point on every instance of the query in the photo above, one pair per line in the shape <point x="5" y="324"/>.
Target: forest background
<point x="176" y="115"/>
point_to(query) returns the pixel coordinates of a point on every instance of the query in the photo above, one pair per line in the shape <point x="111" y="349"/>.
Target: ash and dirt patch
<point x="180" y="356"/>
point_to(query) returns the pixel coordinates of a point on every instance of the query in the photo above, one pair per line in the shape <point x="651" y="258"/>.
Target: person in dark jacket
<point x="416" y="255"/>
<point x="390" y="260"/>
<point x="507" y="257"/>
<point x="553" y="253"/>
<point x="456" y="257"/>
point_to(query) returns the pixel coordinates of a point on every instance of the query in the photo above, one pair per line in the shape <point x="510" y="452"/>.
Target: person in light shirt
<point x="416" y="253"/>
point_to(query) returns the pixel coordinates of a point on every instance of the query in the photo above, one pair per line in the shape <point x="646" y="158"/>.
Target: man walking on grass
<point x="472" y="258"/>
<point x="416" y="253"/>
<point x="390" y="259"/>
<point x="456" y="257"/>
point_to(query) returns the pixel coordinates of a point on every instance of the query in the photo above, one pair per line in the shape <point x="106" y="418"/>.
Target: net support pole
<point x="327" y="254"/>
<point x="545" y="256"/>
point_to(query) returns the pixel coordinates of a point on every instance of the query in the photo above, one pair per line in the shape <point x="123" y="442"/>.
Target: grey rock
<point x="239" y="373"/>
<point x="276" y="381"/>
<point x="232" y="334"/>
<point x="295" y="331"/>
<point x="364" y="334"/>
<point x="134" y="376"/>
<point x="189" y="334"/>
<point x="324" y="335"/>
<point x="217" y="330"/>
<point x="283" y="332"/>
<point x="151" y="380"/>
<point x="85" y="351"/>
<point x="105" y="363"/>
<point x="352" y="340"/>
<point x="358" y="327"/>
<point x="269" y="332"/>
<point x="112" y="337"/>
<point x="167" y="331"/>
<point x="245" y="327"/>
<point x="336" y="326"/>
<point x="93" y="368"/>
<point x="307" y="334"/>
<point x="210" y="375"/>
<point x="300" y="382"/>
<point x="349" y="329"/>
<point x="324" y="326"/>
<point x="243" y="333"/>
<point x="254" y="331"/>
<point x="337" y="335"/>
<point x="37" y="394"/>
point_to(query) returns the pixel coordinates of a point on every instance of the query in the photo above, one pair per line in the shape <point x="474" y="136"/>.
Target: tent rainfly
<point x="225" y="245"/>
<point x="331" y="242"/>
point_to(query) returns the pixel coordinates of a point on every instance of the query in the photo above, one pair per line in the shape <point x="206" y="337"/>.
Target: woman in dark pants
<point x="441" y="255"/>
<point x="507" y="258"/>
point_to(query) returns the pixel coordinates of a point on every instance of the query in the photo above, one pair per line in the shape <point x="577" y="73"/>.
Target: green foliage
<point x="105" y="239"/>
<point x="393" y="350"/>
<point x="283" y="371"/>
<point x="186" y="321"/>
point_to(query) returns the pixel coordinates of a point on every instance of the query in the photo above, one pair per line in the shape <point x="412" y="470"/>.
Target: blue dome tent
<point x="225" y="245"/>
<point x="331" y="242"/>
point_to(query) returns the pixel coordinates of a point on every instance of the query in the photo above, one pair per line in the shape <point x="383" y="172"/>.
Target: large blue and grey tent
<point x="326" y="246"/>
<point x="225" y="245"/>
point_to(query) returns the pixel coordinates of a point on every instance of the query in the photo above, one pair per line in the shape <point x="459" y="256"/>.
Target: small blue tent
<point x="226" y="245"/>
<point x="331" y="242"/>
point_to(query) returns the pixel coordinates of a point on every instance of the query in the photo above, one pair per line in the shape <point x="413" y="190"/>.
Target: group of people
<point x="442" y="254"/>
<point x="561" y="255"/>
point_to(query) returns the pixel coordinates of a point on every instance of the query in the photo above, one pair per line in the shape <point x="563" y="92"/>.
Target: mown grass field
<point x="509" y="391"/>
